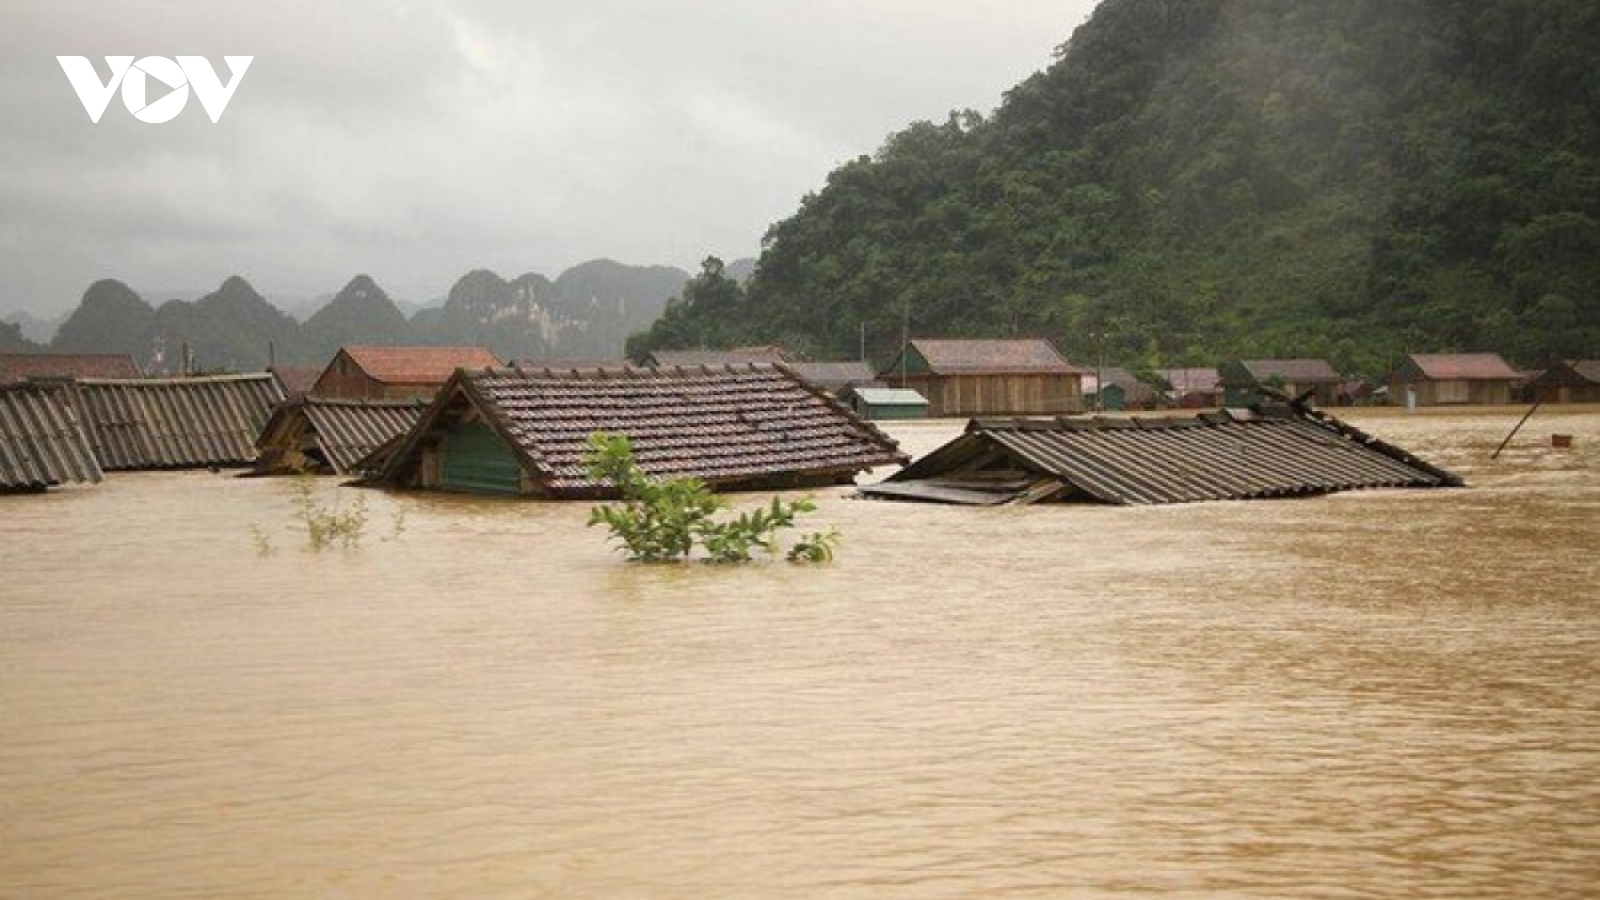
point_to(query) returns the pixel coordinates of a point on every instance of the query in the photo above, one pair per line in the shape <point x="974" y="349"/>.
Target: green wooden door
<point x="477" y="461"/>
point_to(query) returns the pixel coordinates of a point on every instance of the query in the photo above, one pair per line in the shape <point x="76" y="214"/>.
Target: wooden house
<point x="16" y="367"/>
<point x="884" y="403"/>
<point x="396" y="373"/>
<point x="1243" y="380"/>
<point x="330" y="435"/>
<point x="1233" y="454"/>
<point x="1114" y="389"/>
<point x="1574" y="381"/>
<point x="1445" y="379"/>
<point x="42" y="444"/>
<point x="987" y="377"/>
<point x="525" y="433"/>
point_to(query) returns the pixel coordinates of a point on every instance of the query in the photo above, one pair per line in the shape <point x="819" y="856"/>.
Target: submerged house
<point x="988" y="377"/>
<point x="1444" y="379"/>
<point x="41" y="442"/>
<point x="396" y="373"/>
<point x="1221" y="455"/>
<point x="173" y="423"/>
<point x="1193" y="388"/>
<point x="883" y="403"/>
<point x="330" y="435"/>
<point x="1574" y="381"/>
<point x="515" y="432"/>
<point x="1243" y="380"/>
<point x="836" y="377"/>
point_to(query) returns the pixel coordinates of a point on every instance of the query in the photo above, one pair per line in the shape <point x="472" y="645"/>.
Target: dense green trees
<point x="1200" y="179"/>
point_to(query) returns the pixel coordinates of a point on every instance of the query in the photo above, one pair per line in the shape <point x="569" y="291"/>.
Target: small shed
<point x="525" y="433"/>
<point x="330" y="435"/>
<point x="884" y="403"/>
<point x="1574" y="381"/>
<point x="1223" y="455"/>
<point x="396" y="373"/>
<point x="988" y="377"/>
<point x="41" y="442"/>
<point x="16" y="367"/>
<point x="1444" y="379"/>
<point x="173" y="423"/>
<point x="1242" y="380"/>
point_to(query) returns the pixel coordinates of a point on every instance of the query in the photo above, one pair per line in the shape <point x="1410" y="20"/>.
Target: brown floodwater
<point x="1378" y="694"/>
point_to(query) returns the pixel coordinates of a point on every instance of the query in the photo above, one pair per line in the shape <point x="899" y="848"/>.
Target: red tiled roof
<point x="22" y="366"/>
<point x="1464" y="367"/>
<point x="1016" y="356"/>
<point x="734" y="425"/>
<point x="419" y="365"/>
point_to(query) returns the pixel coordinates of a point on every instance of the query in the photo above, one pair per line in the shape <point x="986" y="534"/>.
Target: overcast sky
<point x="414" y="141"/>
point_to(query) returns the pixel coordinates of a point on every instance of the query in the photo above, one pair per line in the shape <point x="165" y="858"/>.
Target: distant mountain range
<point x="587" y="312"/>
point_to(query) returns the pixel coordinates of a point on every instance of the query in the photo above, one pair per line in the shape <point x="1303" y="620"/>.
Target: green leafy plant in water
<point x="663" y="519"/>
<point x="328" y="524"/>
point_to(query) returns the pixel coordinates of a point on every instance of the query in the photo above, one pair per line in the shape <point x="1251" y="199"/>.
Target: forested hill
<point x="1204" y="179"/>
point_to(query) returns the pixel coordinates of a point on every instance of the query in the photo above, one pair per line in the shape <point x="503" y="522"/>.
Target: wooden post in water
<point x="1523" y="421"/>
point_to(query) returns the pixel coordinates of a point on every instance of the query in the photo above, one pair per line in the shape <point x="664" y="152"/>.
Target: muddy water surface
<point x="1385" y="694"/>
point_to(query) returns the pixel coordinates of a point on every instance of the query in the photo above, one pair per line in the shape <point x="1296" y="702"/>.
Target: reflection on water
<point x="1379" y="694"/>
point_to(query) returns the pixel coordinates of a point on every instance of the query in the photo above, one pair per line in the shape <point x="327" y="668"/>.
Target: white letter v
<point x="94" y="95"/>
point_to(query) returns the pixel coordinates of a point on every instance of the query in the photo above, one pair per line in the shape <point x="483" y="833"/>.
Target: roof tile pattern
<point x="41" y="443"/>
<point x="175" y="423"/>
<point x="419" y="365"/>
<point x="1030" y="355"/>
<point x="722" y="425"/>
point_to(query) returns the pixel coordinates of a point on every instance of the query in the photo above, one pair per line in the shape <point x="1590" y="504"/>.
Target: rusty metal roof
<point x="343" y="431"/>
<point x="174" y="423"/>
<point x="737" y="426"/>
<point x="41" y="442"/>
<point x="1224" y="455"/>
<point x="22" y="366"/>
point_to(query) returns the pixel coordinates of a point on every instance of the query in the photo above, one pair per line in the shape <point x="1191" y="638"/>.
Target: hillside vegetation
<point x="1197" y="180"/>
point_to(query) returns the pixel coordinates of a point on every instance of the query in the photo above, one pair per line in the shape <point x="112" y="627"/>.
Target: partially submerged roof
<point x="418" y="365"/>
<point x="1460" y="367"/>
<point x="1183" y="381"/>
<point x="41" y="442"/>
<point x="22" y="366"/>
<point x="1223" y="455"/>
<point x="174" y="423"/>
<point x="1294" y="371"/>
<point x="887" y="396"/>
<point x="735" y="427"/>
<point x="1019" y="356"/>
<point x="331" y="434"/>
<point x="1571" y="372"/>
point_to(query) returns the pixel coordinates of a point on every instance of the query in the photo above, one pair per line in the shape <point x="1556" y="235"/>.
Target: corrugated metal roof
<point x="1464" y="367"/>
<point x="343" y="431"/>
<point x="41" y="441"/>
<point x="174" y="423"/>
<point x="727" y="426"/>
<point x="1012" y="356"/>
<point x="1227" y="455"/>
<point x="22" y="366"/>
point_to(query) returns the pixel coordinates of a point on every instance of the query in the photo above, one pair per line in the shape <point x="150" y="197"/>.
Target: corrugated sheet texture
<point x="41" y="442"/>
<point x="1215" y="456"/>
<point x="343" y="431"/>
<point x="1027" y="355"/>
<point x="176" y="423"/>
<point x="723" y="425"/>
